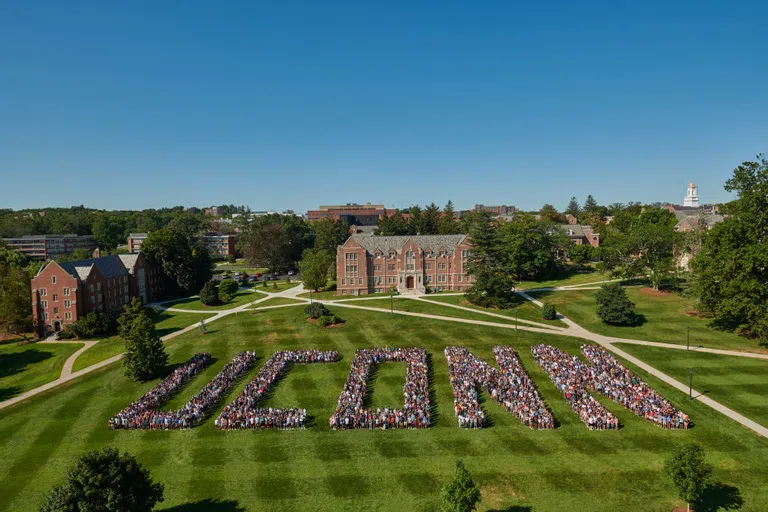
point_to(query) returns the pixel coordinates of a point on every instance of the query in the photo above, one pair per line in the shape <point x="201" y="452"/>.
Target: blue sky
<point x="293" y="104"/>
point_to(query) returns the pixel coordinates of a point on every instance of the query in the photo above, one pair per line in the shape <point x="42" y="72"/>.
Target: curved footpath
<point x="573" y="330"/>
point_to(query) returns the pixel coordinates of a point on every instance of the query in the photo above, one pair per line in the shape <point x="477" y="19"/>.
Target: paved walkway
<point x="66" y="371"/>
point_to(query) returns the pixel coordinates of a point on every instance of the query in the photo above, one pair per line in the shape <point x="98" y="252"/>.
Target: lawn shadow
<point x="513" y="508"/>
<point x="16" y="362"/>
<point x="6" y="393"/>
<point x="208" y="505"/>
<point x="434" y="415"/>
<point x="371" y="384"/>
<point x="720" y="496"/>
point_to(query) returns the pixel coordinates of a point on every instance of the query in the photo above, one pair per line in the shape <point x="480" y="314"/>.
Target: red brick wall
<point x="49" y="297"/>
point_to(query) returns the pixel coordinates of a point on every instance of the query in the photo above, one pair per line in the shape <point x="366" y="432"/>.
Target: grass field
<point x="279" y="301"/>
<point x="415" y="306"/>
<point x="281" y="286"/>
<point x="166" y="322"/>
<point x="665" y="316"/>
<point x="569" y="278"/>
<point x="569" y="468"/>
<point x="194" y="304"/>
<point x="738" y="382"/>
<point x="526" y="310"/>
<point x="29" y="366"/>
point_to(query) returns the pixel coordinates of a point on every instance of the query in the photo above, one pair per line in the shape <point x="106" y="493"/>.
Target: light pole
<point x="310" y="295"/>
<point x="516" y="324"/>
<point x="690" y="386"/>
<point x="688" y="341"/>
<point x="391" y="301"/>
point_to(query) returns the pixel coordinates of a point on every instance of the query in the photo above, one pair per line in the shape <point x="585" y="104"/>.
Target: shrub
<point x="90" y="326"/>
<point x="231" y="259"/>
<point x="105" y="481"/>
<point x="325" y="320"/>
<point x="614" y="306"/>
<point x="224" y="297"/>
<point x="230" y="286"/>
<point x="209" y="295"/>
<point x="316" y="310"/>
<point x="549" y="312"/>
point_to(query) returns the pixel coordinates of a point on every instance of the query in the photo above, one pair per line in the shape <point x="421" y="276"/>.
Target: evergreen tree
<point x="548" y="312"/>
<point x="573" y="207"/>
<point x="493" y="286"/>
<point x="590" y="204"/>
<point x="614" y="306"/>
<point x="209" y="295"/>
<point x="448" y="221"/>
<point x="431" y="220"/>
<point x="145" y="356"/>
<point x="105" y="481"/>
<point x="130" y="313"/>
<point x="460" y="494"/>
<point x="228" y="288"/>
<point x="689" y="472"/>
<point x="392" y="225"/>
<point x="549" y="213"/>
<point x="416" y="220"/>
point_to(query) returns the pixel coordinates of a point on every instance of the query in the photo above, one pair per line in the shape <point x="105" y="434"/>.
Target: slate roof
<point x="129" y="260"/>
<point x="424" y="242"/>
<point x="109" y="266"/>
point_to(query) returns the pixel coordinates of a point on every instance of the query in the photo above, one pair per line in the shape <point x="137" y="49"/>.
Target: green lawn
<point x="569" y="468"/>
<point x="194" y="304"/>
<point x="665" y="316"/>
<point x="28" y="366"/>
<point x="166" y="322"/>
<point x="281" y="286"/>
<point x="279" y="301"/>
<point x="526" y="310"/>
<point x="737" y="382"/>
<point x="415" y="306"/>
<point x="569" y="278"/>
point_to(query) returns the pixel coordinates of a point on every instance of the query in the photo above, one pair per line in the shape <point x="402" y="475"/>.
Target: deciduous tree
<point x="689" y="472"/>
<point x="315" y="269"/>
<point x="15" y="301"/>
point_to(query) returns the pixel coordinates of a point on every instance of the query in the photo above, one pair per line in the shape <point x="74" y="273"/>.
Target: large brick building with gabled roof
<point x="373" y="264"/>
<point x="64" y="292"/>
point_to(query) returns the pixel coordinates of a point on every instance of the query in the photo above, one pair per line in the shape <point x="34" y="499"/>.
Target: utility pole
<point x="690" y="386"/>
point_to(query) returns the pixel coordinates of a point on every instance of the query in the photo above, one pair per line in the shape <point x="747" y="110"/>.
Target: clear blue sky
<point x="290" y="104"/>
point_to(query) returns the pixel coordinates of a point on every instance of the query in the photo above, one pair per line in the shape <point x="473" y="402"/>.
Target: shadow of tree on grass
<point x="719" y="496"/>
<point x="10" y="392"/>
<point x="16" y="362"/>
<point x="208" y="505"/>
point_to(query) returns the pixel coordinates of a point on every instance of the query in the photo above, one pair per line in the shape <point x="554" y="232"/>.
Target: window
<point x="464" y="254"/>
<point x="378" y="254"/>
<point x="55" y="311"/>
<point x="67" y="315"/>
<point x="351" y="263"/>
<point x="67" y="304"/>
<point x="125" y="289"/>
<point x="343" y="281"/>
<point x="391" y="267"/>
<point x="55" y="298"/>
<point x="441" y="279"/>
<point x="427" y="279"/>
<point x="378" y="280"/>
<point x="43" y="292"/>
<point x="125" y="279"/>
<point x="45" y="315"/>
<point x="427" y="266"/>
<point x="90" y="287"/>
<point x="66" y="292"/>
<point x="53" y="279"/>
<point x="391" y="280"/>
<point x="360" y="280"/>
<point x="458" y="278"/>
<point x="441" y="266"/>
<point x="410" y="260"/>
<point x="377" y="268"/>
<point x="44" y="303"/>
<point x="125" y="299"/>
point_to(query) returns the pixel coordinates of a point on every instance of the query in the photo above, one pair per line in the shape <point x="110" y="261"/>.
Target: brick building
<point x="43" y="247"/>
<point x="582" y="235"/>
<point x="219" y="245"/>
<point x="64" y="292"/>
<point x="372" y="264"/>
<point x="360" y="214"/>
<point x="134" y="242"/>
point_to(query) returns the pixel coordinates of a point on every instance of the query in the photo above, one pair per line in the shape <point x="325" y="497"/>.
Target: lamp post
<point x="391" y="301"/>
<point x="688" y="340"/>
<point x="310" y="295"/>
<point x="690" y="386"/>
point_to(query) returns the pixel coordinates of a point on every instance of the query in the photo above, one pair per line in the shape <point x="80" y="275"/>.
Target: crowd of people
<point x="350" y="412"/>
<point x="620" y="385"/>
<point x="243" y="413"/>
<point x="571" y="376"/>
<point x="510" y="387"/>
<point x="144" y="414"/>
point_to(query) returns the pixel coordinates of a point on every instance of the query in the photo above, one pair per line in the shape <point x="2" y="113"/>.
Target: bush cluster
<point x="227" y="290"/>
<point x="326" y="320"/>
<point x="316" y="310"/>
<point x="614" y="306"/>
<point x="548" y="312"/>
<point x="209" y="295"/>
<point x="91" y="325"/>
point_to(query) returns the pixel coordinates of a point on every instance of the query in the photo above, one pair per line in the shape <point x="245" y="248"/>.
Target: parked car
<point x="291" y="272"/>
<point x="257" y="275"/>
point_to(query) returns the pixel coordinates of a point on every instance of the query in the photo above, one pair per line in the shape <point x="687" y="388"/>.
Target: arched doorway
<point x="56" y="325"/>
<point x="409" y="282"/>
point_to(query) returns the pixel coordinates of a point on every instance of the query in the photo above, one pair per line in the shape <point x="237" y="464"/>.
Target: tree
<point x="549" y="312"/>
<point x="448" y="224"/>
<point x="145" y="356"/>
<point x="431" y="220"/>
<point x="185" y="261"/>
<point x="614" y="306"/>
<point x="689" y="472"/>
<point x="15" y="301"/>
<point x="391" y="225"/>
<point x="573" y="207"/>
<point x="731" y="270"/>
<point x="228" y="288"/>
<point x="109" y="231"/>
<point x="129" y="315"/>
<point x="549" y="213"/>
<point x="460" y="494"/>
<point x="493" y="286"/>
<point x="581" y="254"/>
<point x="274" y="241"/>
<point x="315" y="268"/>
<point x="209" y="295"/>
<point x="532" y="248"/>
<point x="329" y="234"/>
<point x="105" y="481"/>
<point x="590" y="204"/>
